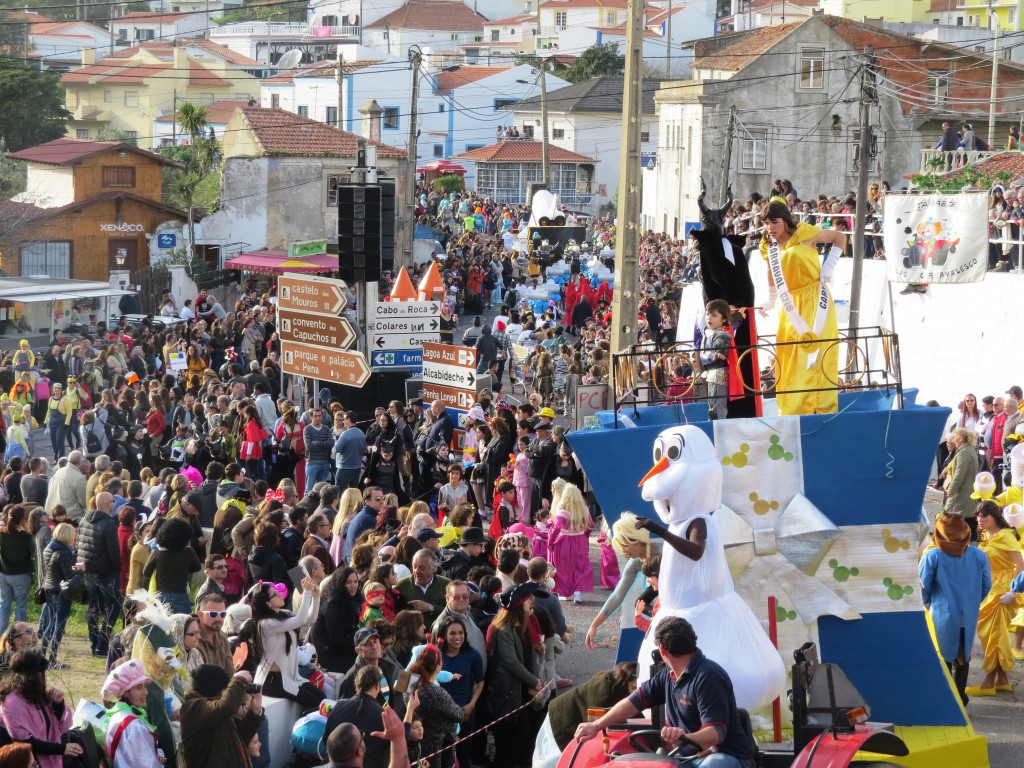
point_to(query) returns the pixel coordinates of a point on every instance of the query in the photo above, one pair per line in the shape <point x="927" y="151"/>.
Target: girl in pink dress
<point x="568" y="547"/>
<point x="541" y="530"/>
<point x="610" y="574"/>
<point x="521" y="480"/>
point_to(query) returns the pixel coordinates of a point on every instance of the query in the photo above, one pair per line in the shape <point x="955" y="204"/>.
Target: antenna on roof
<point x="290" y="59"/>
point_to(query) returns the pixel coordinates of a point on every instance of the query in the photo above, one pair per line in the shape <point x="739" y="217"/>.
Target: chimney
<point x="372" y="113"/>
<point x="180" y="60"/>
<point x="88" y="56"/>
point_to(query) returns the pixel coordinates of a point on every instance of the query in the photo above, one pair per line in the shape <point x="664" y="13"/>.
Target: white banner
<point x="940" y="238"/>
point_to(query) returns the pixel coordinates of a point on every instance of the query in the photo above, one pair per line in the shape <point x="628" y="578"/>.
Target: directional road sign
<point x="319" y="330"/>
<point x="403" y="340"/>
<point x="457" y="399"/>
<point x="403" y="309"/>
<point x="306" y="293"/>
<point x="397" y="358"/>
<point x="341" y="366"/>
<point x="449" y="366"/>
<point x="394" y="326"/>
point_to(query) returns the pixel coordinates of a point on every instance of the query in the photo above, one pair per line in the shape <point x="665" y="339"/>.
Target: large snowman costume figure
<point x="685" y="486"/>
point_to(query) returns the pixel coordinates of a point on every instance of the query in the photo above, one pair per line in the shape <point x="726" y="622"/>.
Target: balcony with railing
<point x="283" y="29"/>
<point x="942" y="161"/>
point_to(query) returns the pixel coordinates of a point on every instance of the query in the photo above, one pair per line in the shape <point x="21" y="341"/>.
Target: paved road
<point x="998" y="719"/>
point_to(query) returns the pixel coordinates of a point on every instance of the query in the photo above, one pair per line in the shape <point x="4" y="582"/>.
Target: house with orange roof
<point x="793" y="91"/>
<point x="86" y="205"/>
<point x="267" y="41"/>
<point x="130" y="89"/>
<point x="426" y="23"/>
<point x="505" y="172"/>
<point x="166" y="131"/>
<point x="281" y="174"/>
<point x="140" y="26"/>
<point x="59" y="44"/>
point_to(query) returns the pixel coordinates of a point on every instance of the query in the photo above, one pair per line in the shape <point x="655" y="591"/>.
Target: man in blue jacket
<point x="366" y="518"/>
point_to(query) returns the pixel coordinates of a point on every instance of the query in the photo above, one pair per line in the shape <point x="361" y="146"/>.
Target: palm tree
<point x="198" y="162"/>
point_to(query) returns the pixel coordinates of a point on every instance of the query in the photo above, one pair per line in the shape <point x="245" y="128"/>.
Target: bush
<point x="450" y="182"/>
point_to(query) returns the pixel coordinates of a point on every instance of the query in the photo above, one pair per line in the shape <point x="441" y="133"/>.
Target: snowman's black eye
<point x="675" y="449"/>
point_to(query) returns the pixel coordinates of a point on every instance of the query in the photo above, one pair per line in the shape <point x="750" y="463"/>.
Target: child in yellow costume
<point x="1013" y="493"/>
<point x="1001" y="544"/>
<point x="799" y="281"/>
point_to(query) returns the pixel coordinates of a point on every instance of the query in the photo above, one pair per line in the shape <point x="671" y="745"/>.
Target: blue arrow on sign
<point x="397" y="358"/>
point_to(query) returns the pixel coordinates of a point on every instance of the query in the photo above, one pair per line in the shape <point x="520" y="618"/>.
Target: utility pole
<point x="668" y="42"/>
<point x="728" y="154"/>
<point x="868" y="96"/>
<point x="341" y="84"/>
<point x="174" y="121"/>
<point x="545" y="168"/>
<point x="993" y="21"/>
<point x="415" y="61"/>
<point x="627" y="241"/>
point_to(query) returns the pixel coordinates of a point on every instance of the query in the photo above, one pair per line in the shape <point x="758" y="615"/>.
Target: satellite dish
<point x="290" y="59"/>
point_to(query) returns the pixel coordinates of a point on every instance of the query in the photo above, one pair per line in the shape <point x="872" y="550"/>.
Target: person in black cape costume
<point x="727" y="276"/>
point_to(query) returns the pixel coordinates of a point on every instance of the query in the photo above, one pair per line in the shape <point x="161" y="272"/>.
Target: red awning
<point x="442" y="167"/>
<point x="277" y="261"/>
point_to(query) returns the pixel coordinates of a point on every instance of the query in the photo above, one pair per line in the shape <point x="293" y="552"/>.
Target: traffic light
<point x="359" y="233"/>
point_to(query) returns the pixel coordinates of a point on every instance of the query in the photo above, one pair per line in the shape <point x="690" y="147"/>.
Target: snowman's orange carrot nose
<point x="658" y="468"/>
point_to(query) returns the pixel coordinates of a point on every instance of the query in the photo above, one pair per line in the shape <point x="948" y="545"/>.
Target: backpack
<point x="92" y="442"/>
<point x="14" y="448"/>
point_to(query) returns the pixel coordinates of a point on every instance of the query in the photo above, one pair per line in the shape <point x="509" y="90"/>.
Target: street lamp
<point x="120" y="257"/>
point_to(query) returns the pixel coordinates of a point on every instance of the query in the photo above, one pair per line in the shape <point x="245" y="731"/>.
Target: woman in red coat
<point x="156" y="423"/>
<point x="250" y="450"/>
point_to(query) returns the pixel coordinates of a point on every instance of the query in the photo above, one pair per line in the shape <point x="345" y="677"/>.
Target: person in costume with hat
<point x="130" y="739"/>
<point x="1001" y="544"/>
<point x="807" y="370"/>
<point x="955" y="579"/>
<point x="511" y="659"/>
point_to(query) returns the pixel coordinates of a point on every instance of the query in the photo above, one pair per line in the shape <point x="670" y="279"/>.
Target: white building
<point x="262" y="39"/>
<point x="586" y="118"/>
<point x="139" y="26"/>
<point x="59" y="44"/>
<point x="458" y="110"/>
<point x="430" y="24"/>
<point x="467" y="106"/>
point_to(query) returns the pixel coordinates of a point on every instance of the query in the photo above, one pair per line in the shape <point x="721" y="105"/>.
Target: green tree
<point x="449" y="182"/>
<point x="12" y="174"/>
<point x="33" y="105"/>
<point x="113" y="134"/>
<point x="13" y="34"/>
<point x="597" y="61"/>
<point x="191" y="183"/>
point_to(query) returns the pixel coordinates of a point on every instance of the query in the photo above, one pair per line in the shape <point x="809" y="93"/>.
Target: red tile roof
<point x="148" y="17"/>
<point x="114" y="73"/>
<point x="464" y="75"/>
<point x="558" y="4"/>
<point x="23" y="213"/>
<point x="68" y="151"/>
<point x="217" y="112"/>
<point x="742" y="52"/>
<point x="221" y="51"/>
<point x="522" y="152"/>
<point x="522" y="17"/>
<point x="200" y="75"/>
<point x="432" y="14"/>
<point x="1009" y="162"/>
<point x="279" y="132"/>
<point x="940" y="6"/>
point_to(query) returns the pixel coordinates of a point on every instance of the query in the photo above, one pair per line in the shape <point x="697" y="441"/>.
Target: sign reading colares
<point x="122" y="227"/>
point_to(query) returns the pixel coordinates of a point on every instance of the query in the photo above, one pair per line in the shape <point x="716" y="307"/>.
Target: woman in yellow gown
<point x="1001" y="545"/>
<point x="801" y="279"/>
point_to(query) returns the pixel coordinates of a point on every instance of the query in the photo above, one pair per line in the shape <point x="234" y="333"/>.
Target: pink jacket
<point x="26" y="721"/>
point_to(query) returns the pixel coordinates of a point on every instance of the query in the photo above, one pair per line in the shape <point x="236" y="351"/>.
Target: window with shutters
<point x="118" y="176"/>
